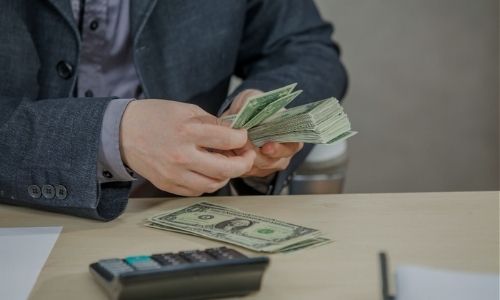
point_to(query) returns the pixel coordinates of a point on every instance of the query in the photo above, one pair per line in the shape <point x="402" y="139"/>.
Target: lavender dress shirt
<point x="107" y="69"/>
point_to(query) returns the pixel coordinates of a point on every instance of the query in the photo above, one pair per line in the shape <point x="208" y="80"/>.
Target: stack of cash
<point x="233" y="226"/>
<point x="264" y="116"/>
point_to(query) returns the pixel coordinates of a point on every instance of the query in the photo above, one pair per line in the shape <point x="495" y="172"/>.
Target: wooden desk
<point x="457" y="231"/>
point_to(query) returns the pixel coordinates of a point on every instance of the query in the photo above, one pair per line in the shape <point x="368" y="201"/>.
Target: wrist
<point x="124" y="142"/>
<point x="110" y="165"/>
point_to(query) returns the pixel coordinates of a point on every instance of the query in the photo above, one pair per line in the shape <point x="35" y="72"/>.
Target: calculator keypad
<point x="158" y="261"/>
<point x="196" y="256"/>
<point x="169" y="259"/>
<point x="142" y="262"/>
<point x="115" y="266"/>
<point x="224" y="253"/>
<point x="211" y="273"/>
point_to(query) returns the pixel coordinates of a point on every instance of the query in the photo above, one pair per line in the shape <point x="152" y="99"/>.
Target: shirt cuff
<point x="110" y="166"/>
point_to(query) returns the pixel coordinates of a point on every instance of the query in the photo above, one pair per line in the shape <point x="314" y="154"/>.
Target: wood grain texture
<point x="456" y="231"/>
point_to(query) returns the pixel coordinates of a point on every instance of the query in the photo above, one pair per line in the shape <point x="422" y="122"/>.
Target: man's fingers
<point x="265" y="170"/>
<point x="190" y="183"/>
<point x="200" y="183"/>
<point x="277" y="150"/>
<point x="240" y="100"/>
<point x="264" y="161"/>
<point x="176" y="189"/>
<point x="246" y="147"/>
<point x="218" y="137"/>
<point x="219" y="166"/>
<point x="182" y="191"/>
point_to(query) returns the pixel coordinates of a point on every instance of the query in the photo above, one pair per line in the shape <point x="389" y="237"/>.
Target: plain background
<point x="424" y="93"/>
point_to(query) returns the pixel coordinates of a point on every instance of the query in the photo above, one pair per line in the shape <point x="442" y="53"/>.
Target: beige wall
<point x="423" y="92"/>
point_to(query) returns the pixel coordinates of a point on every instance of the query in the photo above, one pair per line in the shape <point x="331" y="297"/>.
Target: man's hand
<point x="271" y="157"/>
<point x="169" y="143"/>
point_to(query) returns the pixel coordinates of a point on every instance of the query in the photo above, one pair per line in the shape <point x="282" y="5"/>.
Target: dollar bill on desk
<point x="236" y="227"/>
<point x="267" y="120"/>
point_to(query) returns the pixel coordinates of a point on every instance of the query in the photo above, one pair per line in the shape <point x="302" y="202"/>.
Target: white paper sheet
<point x="417" y="283"/>
<point x="23" y="252"/>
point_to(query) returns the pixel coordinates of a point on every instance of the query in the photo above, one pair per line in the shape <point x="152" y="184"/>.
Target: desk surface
<point x="456" y="231"/>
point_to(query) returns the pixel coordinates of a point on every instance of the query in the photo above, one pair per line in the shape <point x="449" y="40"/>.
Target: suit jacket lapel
<point x="140" y="10"/>
<point x="64" y="8"/>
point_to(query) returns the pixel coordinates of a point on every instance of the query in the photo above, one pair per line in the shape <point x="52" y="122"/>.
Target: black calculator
<point x="196" y="274"/>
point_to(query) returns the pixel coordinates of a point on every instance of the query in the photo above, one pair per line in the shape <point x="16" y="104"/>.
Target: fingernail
<point x="244" y="133"/>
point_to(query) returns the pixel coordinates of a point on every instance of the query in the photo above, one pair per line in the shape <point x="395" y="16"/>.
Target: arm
<point x="51" y="148"/>
<point x="49" y="157"/>
<point x="286" y="41"/>
<point x="110" y="166"/>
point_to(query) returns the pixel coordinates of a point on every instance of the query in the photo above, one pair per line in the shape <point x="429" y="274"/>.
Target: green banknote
<point x="309" y="243"/>
<point x="314" y="242"/>
<point x="267" y="120"/>
<point x="271" y="109"/>
<point x="321" y="122"/>
<point x="229" y="118"/>
<point x="255" y="104"/>
<point x="233" y="226"/>
<point x="297" y="111"/>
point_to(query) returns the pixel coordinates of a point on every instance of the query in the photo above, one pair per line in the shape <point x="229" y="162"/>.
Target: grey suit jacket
<point x="183" y="49"/>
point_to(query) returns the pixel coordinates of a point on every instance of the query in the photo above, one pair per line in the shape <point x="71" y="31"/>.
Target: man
<point x="72" y="135"/>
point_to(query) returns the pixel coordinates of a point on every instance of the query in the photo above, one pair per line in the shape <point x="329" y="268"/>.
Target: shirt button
<point x="89" y="93"/>
<point x="107" y="174"/>
<point x="94" y="25"/>
<point x="64" y="69"/>
<point x="34" y="191"/>
<point x="48" y="191"/>
<point x="61" y="192"/>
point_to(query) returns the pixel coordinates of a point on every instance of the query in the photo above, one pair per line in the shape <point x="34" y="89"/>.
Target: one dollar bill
<point x="267" y="120"/>
<point x="236" y="227"/>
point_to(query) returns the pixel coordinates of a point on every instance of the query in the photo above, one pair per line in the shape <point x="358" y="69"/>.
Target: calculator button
<point x="115" y="266"/>
<point x="224" y="253"/>
<point x="169" y="259"/>
<point x="196" y="256"/>
<point x="142" y="262"/>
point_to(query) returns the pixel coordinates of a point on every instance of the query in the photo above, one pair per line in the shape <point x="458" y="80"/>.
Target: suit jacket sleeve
<point x="286" y="41"/>
<point x="49" y="157"/>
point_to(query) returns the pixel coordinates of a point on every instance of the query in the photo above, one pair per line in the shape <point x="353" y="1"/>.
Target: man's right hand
<point x="169" y="143"/>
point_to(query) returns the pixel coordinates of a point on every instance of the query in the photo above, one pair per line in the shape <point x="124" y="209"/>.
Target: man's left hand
<point x="271" y="157"/>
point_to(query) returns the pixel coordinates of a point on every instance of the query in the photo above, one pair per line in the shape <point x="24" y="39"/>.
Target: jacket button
<point x="48" y="191"/>
<point x="64" y="69"/>
<point x="61" y="192"/>
<point x="34" y="191"/>
<point x="89" y="93"/>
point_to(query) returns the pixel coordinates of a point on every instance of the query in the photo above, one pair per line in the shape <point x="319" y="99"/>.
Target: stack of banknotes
<point x="236" y="227"/>
<point x="266" y="119"/>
